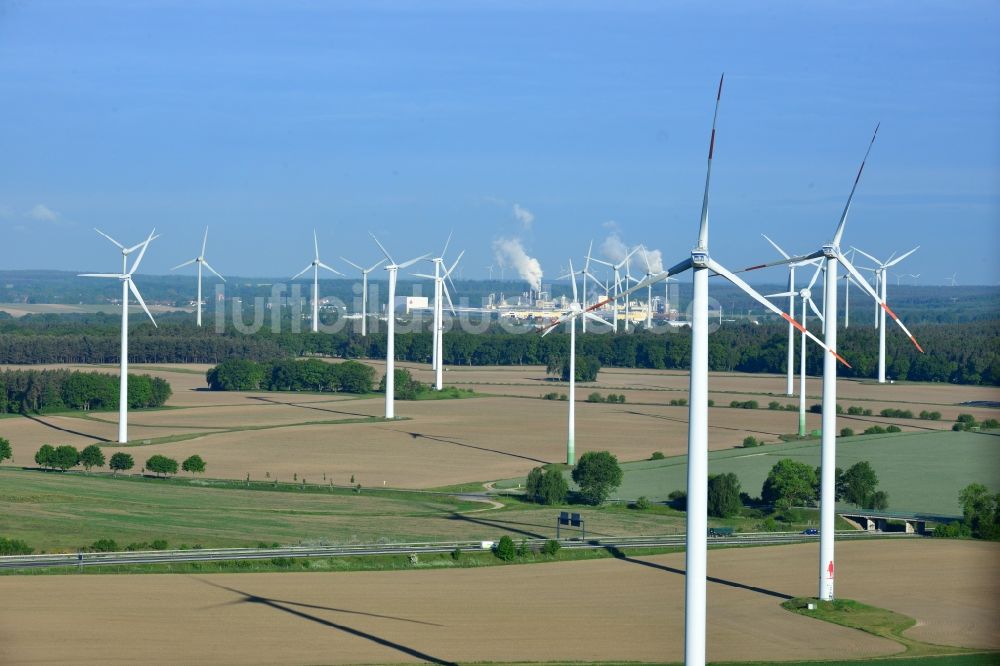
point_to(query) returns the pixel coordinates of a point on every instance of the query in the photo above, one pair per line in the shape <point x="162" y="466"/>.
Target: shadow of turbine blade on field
<point x="282" y="605"/>
<point x="419" y="435"/>
<point x="619" y="555"/>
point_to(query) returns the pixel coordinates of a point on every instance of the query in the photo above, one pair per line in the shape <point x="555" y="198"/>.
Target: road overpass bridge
<point x="895" y="521"/>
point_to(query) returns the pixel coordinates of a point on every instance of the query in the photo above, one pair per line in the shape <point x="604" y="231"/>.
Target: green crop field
<point x="921" y="471"/>
<point x="59" y="512"/>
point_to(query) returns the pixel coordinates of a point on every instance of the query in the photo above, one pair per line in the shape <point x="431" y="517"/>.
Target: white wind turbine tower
<point x="316" y="264"/>
<point x="951" y="281"/>
<point x="364" y="291"/>
<point x="790" y="384"/>
<point x="700" y="263"/>
<point x="618" y="286"/>
<point x="881" y="271"/>
<point x="576" y="311"/>
<point x="127" y="286"/>
<point x="806" y="295"/>
<point x="441" y="273"/>
<point x="390" y="342"/>
<point x="832" y="255"/>
<point x="201" y="261"/>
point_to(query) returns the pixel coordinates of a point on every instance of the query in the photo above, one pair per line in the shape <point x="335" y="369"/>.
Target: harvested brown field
<point x="594" y="610"/>
<point x="502" y="434"/>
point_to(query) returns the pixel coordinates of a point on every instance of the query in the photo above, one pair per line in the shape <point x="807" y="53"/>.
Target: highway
<point x="228" y="554"/>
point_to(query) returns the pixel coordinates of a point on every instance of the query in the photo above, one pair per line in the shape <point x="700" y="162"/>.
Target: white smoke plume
<point x="614" y="248"/>
<point x="510" y="252"/>
<point x="653" y="261"/>
<point x="524" y="216"/>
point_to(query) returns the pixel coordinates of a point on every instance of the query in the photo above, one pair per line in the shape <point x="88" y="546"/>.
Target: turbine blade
<point x="348" y="261"/>
<point x="783" y="294"/>
<point x="791" y="260"/>
<point x="119" y="276"/>
<point x="871" y="292"/>
<point x="724" y="272"/>
<point x="776" y="247"/>
<point x="572" y="277"/>
<point x="204" y="242"/>
<point x="301" y="272"/>
<point x="812" y="306"/>
<point x="209" y="267"/>
<point x="843" y="217"/>
<point x="375" y="265"/>
<point x="138" y="297"/>
<point x="138" y="245"/>
<point x="703" y="226"/>
<point x="461" y="254"/>
<point x="592" y="317"/>
<point x="186" y="263"/>
<point x="447" y="295"/>
<point x="642" y="284"/>
<point x="447" y="243"/>
<point x="423" y="275"/>
<point x="332" y="270"/>
<point x="316" y="244"/>
<point x="819" y="269"/>
<point x="860" y="251"/>
<point x="545" y="330"/>
<point x="109" y="238"/>
<point x="142" y="252"/>
<point x="406" y="264"/>
<point x="900" y="258"/>
<point x="384" y="251"/>
<point x="602" y="262"/>
<point x="590" y="250"/>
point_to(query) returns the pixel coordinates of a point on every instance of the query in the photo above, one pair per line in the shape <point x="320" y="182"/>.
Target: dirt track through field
<point x="601" y="610"/>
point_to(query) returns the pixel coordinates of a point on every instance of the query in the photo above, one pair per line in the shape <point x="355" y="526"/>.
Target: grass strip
<point x="879" y="622"/>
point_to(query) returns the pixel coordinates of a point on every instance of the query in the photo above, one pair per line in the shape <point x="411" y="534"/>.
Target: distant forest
<point x="965" y="353"/>
<point x="915" y="303"/>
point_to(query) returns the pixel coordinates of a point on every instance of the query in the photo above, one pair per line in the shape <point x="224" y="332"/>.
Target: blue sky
<point x="266" y="119"/>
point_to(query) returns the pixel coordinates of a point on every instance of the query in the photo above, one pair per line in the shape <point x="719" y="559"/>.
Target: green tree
<point x="65" y="457"/>
<point x="14" y="547"/>
<point x="193" y="464"/>
<point x="92" y="456"/>
<point x="235" y="374"/>
<point x="553" y="488"/>
<point x="121" y="462"/>
<point x="791" y="482"/>
<point x="878" y="501"/>
<point x="980" y="511"/>
<point x="45" y="455"/>
<point x="505" y="549"/>
<point x="533" y="483"/>
<point x="5" y="451"/>
<point x="161" y="465"/>
<point x="597" y="474"/>
<point x="859" y="482"/>
<point x="723" y="495"/>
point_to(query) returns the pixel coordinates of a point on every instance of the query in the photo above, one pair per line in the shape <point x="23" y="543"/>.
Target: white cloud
<point x="614" y="248"/>
<point x="524" y="216"/>
<point x="612" y="225"/>
<point x="42" y="213"/>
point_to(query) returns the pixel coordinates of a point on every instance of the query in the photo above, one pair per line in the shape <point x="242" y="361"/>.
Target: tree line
<point x="291" y="375"/>
<point x="964" y="353"/>
<point x="38" y="391"/>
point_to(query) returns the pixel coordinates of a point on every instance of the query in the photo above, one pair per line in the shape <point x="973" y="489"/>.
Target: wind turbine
<point x="618" y="283"/>
<point x="700" y="263"/>
<point x="806" y="295"/>
<point x="569" y="317"/>
<point x="364" y="290"/>
<point x="127" y="286"/>
<point x="490" y="269"/>
<point x="390" y="343"/>
<point x="950" y="281"/>
<point x="441" y="273"/>
<point x="832" y="255"/>
<point x="316" y="264"/>
<point x="882" y="273"/>
<point x="201" y="261"/>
